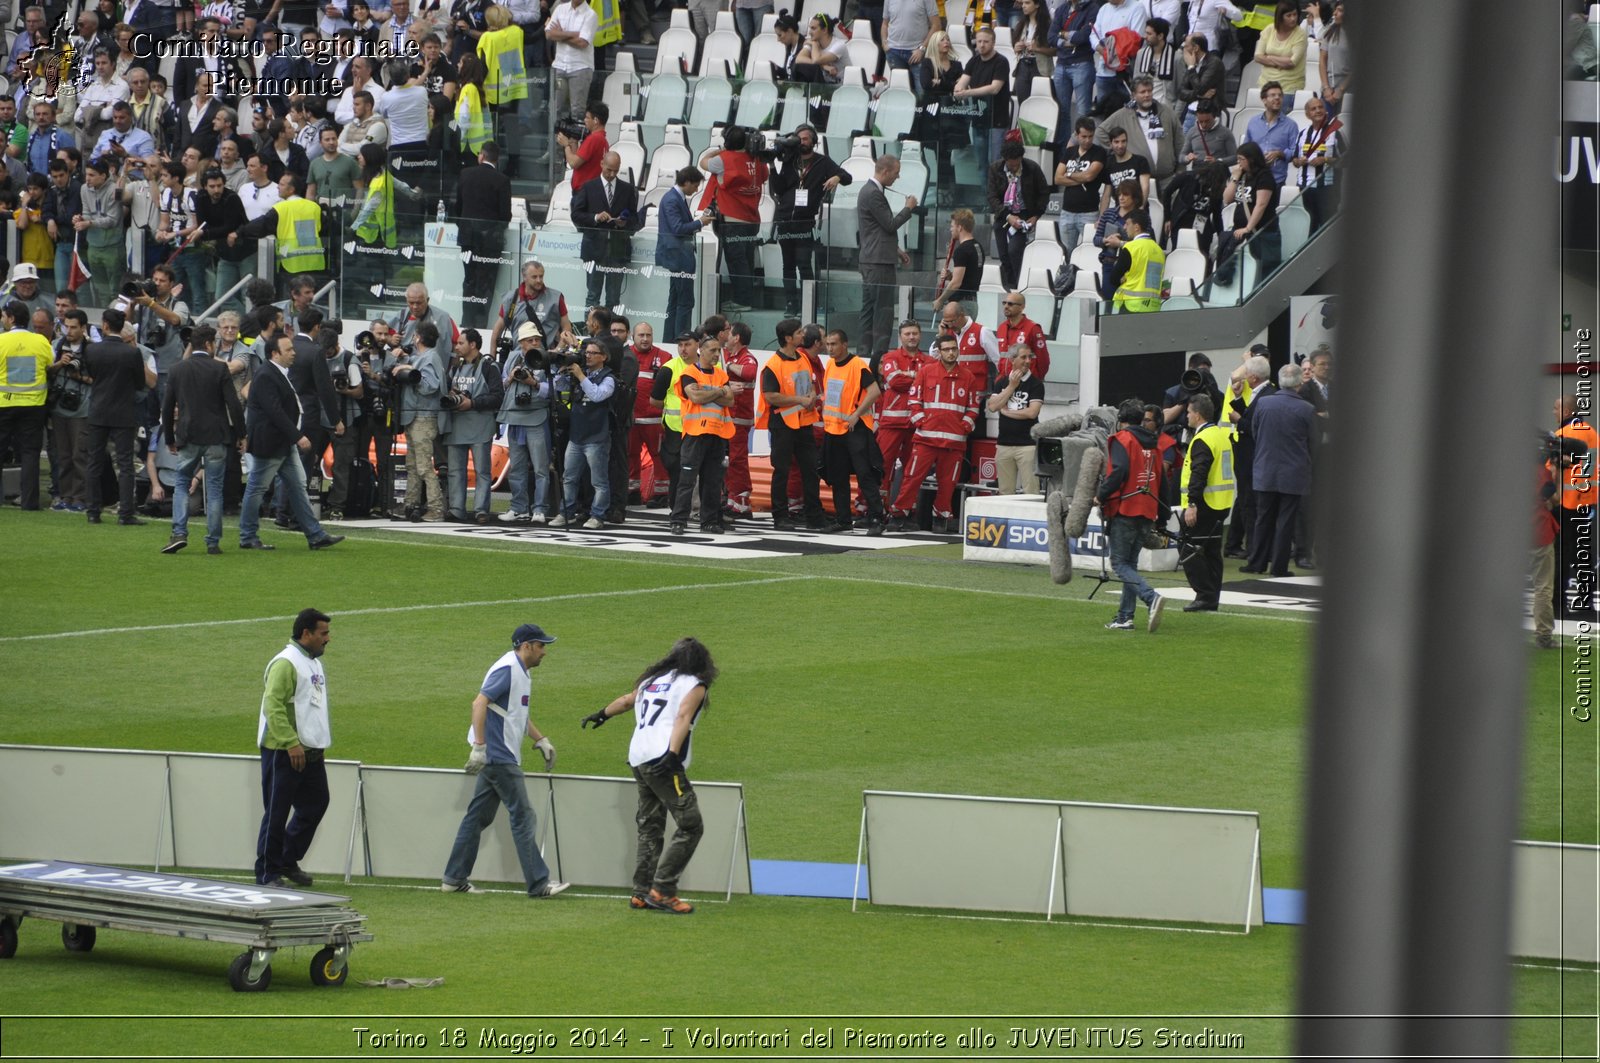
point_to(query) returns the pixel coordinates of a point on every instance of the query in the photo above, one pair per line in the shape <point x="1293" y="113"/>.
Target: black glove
<point x="595" y="719"/>
<point x="672" y="761"/>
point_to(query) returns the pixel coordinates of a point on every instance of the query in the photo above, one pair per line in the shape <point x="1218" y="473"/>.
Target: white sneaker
<point x="460" y="887"/>
<point x="1156" y="606"/>
<point x="558" y="521"/>
<point x="593" y="524"/>
<point x="550" y="890"/>
<point x="538" y="518"/>
<point x="513" y="517"/>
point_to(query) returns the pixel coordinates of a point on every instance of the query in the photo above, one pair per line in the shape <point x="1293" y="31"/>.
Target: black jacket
<point x="221" y="218"/>
<point x="313" y="382"/>
<point x="603" y="240"/>
<point x="787" y="178"/>
<point x="200" y="391"/>
<point x="273" y="427"/>
<point x="119" y="382"/>
<point x="483" y="209"/>
<point x="1035" y="190"/>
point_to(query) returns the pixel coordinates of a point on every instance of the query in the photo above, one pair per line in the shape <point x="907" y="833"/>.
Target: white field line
<point x="405" y="609"/>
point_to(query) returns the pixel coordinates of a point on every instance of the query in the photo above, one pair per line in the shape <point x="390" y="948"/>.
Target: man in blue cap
<point x="499" y="720"/>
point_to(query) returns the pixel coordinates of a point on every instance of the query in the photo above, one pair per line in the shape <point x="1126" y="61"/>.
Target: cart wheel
<point x="322" y="972"/>
<point x="8" y="938"/>
<point x="77" y="938"/>
<point x="239" y="975"/>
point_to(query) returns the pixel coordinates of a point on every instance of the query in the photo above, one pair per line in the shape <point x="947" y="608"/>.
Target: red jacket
<point x="737" y="192"/>
<point x="944" y="406"/>
<point x="977" y="349"/>
<point x="649" y="361"/>
<point x="742" y="366"/>
<point x="1028" y="332"/>
<point x="897" y="372"/>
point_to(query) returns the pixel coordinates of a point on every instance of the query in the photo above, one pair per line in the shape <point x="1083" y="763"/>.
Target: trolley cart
<point x="84" y="897"/>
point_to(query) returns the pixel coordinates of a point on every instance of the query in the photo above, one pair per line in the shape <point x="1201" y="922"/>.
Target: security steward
<point x="848" y="446"/>
<point x="297" y="223"/>
<point x="1207" y="485"/>
<point x="25" y="358"/>
<point x="790" y="405"/>
<point x="1141" y="262"/>
<point x="1580" y="491"/>
<point x="707" y="398"/>
<point x="665" y="396"/>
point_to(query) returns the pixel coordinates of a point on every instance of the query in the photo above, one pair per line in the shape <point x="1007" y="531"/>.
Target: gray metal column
<point x="1449" y="310"/>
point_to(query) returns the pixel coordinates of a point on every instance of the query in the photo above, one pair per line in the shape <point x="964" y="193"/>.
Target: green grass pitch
<point x="902" y="669"/>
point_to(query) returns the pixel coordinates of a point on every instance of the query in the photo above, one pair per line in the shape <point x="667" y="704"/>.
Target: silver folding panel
<point x="98" y="805"/>
<point x="1555" y="901"/>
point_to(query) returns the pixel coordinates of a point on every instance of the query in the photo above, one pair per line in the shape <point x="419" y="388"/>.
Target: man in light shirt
<point x="259" y="193"/>
<point x="571" y="27"/>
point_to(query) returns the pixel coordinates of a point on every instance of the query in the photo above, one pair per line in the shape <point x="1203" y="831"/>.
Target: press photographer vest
<point x="1137" y="498"/>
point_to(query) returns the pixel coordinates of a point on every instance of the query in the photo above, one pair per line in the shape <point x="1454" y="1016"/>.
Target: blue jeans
<point x="533" y="453"/>
<point x="747" y="21"/>
<point x="498" y="784"/>
<point x="191" y="457"/>
<point x="263" y="471"/>
<point x="986" y="143"/>
<point x="193" y="268"/>
<point x="458" y="476"/>
<point x="1111" y="86"/>
<point x="1070" y="226"/>
<point x="64" y="264"/>
<point x="226" y="275"/>
<point x="1125" y="534"/>
<point x="1074" y="85"/>
<point x="597" y="457"/>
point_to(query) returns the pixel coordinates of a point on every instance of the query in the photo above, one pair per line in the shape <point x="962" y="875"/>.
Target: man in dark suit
<point x="880" y="254"/>
<point x="194" y="119"/>
<point x="321" y="407"/>
<point x="116" y="409"/>
<point x="1314" y="391"/>
<point x="607" y="210"/>
<point x="675" y="249"/>
<point x="1252" y="379"/>
<point x="273" y="416"/>
<point x="483" y="213"/>
<point x="201" y="420"/>
<point x="1284" y="428"/>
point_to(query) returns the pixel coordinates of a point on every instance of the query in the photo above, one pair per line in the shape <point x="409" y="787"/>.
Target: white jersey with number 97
<point x="655" y="708"/>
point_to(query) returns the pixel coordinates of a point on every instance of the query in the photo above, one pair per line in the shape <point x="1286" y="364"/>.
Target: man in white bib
<point x="293" y="735"/>
<point x="499" y="720"/>
<point x="666" y="700"/>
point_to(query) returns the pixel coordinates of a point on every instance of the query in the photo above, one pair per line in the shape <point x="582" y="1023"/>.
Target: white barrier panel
<point x="1014" y="528"/>
<point x="216" y="813"/>
<point x="412" y="815"/>
<point x="1555" y="901"/>
<point x="1063" y="857"/>
<point x="95" y="805"/>
<point x="598" y="838"/>
<point x="988" y="854"/>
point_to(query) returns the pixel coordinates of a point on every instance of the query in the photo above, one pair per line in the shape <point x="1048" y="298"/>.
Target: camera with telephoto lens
<point x="451" y="400"/>
<point x="1198" y="382"/>
<point x="782" y="147"/>
<point x="1561" y="450"/>
<point x="367" y="343"/>
<point x="133" y="290"/>
<point x="575" y="130"/>
<point x="563" y="359"/>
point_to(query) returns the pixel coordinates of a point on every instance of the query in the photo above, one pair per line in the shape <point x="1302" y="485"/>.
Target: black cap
<point x="530" y="633"/>
<point x="1261" y="349"/>
<point x="684" y="337"/>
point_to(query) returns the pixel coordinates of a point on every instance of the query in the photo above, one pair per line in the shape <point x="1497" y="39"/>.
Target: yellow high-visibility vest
<point x="609" y="29"/>
<point x="672" y="409"/>
<point x="470" y="119"/>
<point x="1141" y="288"/>
<point x="501" y="51"/>
<point x="1219" y="489"/>
<point x="1258" y="18"/>
<point x="300" y="236"/>
<point x="25" y="357"/>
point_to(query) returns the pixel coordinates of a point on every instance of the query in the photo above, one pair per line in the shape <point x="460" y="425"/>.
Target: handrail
<point x="225" y="296"/>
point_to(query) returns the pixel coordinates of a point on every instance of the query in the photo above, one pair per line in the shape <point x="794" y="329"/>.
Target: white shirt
<point x="258" y="199"/>
<point x="406" y="111"/>
<point x="344" y="112"/>
<point x="582" y="21"/>
<point x="656" y="706"/>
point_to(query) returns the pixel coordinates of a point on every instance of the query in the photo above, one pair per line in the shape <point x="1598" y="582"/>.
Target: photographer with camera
<point x="1196" y="380"/>
<point x="606" y="209"/>
<point x="349" y="383"/>
<point x="738" y="175"/>
<point x="588" y="436"/>
<point x="801" y="182"/>
<point x="474" y="401"/>
<point x="69" y="410"/>
<point x="531" y="301"/>
<point x="419" y="372"/>
<point x="525" y="411"/>
<point x="1207" y="486"/>
<point x="159" y="317"/>
<point x="585" y="143"/>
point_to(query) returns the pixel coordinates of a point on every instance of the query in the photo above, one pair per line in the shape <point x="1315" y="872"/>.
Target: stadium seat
<point x="1086" y="257"/>
<point x="675" y="50"/>
<point x="1241" y="121"/>
<point x="720" y="55"/>
<point x="990" y="281"/>
<point x="849" y="115"/>
<point x="1252" y="96"/>
<point x="667" y="160"/>
<point x="896" y="113"/>
<point x="765" y="50"/>
<point x="658" y="191"/>
<point x="664" y="99"/>
<point x="1248" y="79"/>
<point x="1043" y="253"/>
<point x="795" y="109"/>
<point x="811" y="8"/>
<point x="1036" y="118"/>
<point x="864" y="54"/>
<point x="680" y="18"/>
<point x="620" y="95"/>
<point x="1188" y="238"/>
<point x="561" y="200"/>
<point x="1290" y="192"/>
<point x="1002" y="37"/>
<point x="724" y="22"/>
<point x="959" y="46"/>
<point x="769" y="23"/>
<point x="1178" y="286"/>
<point x="899" y="78"/>
<point x="854" y="76"/>
<point x="859" y="163"/>
<point x="758" y="105"/>
<point x="1158" y="216"/>
<point x="1187" y="263"/>
<point x="914" y="176"/>
<point x="712" y="100"/>
<point x="630" y="149"/>
<point x="1295" y="224"/>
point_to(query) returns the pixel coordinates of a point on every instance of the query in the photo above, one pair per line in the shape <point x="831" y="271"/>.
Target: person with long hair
<point x="1335" y="66"/>
<point x="823" y="55"/>
<point x="667" y="698"/>
<point x="1254" y="193"/>
<point x="1108" y="233"/>
<point x="1035" y="48"/>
